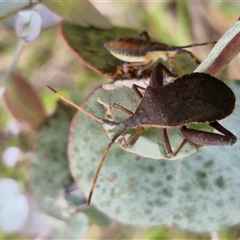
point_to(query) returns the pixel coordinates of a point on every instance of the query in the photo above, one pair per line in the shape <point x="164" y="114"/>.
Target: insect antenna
<point x="102" y="121"/>
<point x="101" y="163"/>
<point x="197" y="44"/>
<point x="75" y="105"/>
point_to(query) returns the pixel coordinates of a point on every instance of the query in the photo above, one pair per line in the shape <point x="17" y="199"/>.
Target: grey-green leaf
<point x="198" y="193"/>
<point x="49" y="167"/>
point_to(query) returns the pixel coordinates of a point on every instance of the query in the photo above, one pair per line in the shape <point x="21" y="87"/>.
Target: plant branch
<point x="223" y="52"/>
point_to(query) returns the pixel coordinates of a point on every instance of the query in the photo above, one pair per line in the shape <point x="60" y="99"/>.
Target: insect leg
<point x="147" y="65"/>
<point x="209" y="138"/>
<point x="156" y="79"/>
<point x="126" y="111"/>
<point x="142" y="66"/>
<point x="146" y="37"/>
<point x="184" y="51"/>
<point x="180" y="147"/>
<point x="120" y="108"/>
<point x="166" y="143"/>
<point x="139" y="131"/>
<point x="171" y="62"/>
<point x="137" y="92"/>
<point x="132" y="64"/>
<point x="135" y="137"/>
<point x="224" y="131"/>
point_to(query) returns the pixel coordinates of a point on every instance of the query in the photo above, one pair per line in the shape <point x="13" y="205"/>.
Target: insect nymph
<point x="143" y="52"/>
<point x="192" y="98"/>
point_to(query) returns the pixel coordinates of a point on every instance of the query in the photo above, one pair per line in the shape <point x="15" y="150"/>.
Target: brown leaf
<point x="24" y="103"/>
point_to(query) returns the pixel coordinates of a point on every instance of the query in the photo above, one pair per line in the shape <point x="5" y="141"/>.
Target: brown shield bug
<point x="144" y="52"/>
<point x="192" y="98"/>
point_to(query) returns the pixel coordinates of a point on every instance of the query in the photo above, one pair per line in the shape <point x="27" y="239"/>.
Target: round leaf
<point x="24" y="103"/>
<point x="14" y="207"/>
<point x="82" y="13"/>
<point x="9" y="7"/>
<point x="77" y="226"/>
<point x="28" y="25"/>
<point x="198" y="193"/>
<point x="87" y="44"/>
<point x="49" y="167"/>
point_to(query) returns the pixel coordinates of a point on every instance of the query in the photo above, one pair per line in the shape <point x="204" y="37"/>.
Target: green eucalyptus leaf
<point x="87" y="44"/>
<point x="82" y="13"/>
<point x="197" y="193"/>
<point x="49" y="167"/>
<point x="78" y="226"/>
<point x="96" y="216"/>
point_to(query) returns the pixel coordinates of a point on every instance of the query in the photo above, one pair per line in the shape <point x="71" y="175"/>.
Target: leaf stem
<point x="18" y="50"/>
<point x="223" y="52"/>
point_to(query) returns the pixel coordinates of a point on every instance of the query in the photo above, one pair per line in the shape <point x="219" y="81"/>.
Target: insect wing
<point x="199" y="98"/>
<point x="193" y="98"/>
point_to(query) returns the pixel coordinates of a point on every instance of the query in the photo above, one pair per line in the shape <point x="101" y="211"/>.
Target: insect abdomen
<point x="131" y="47"/>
